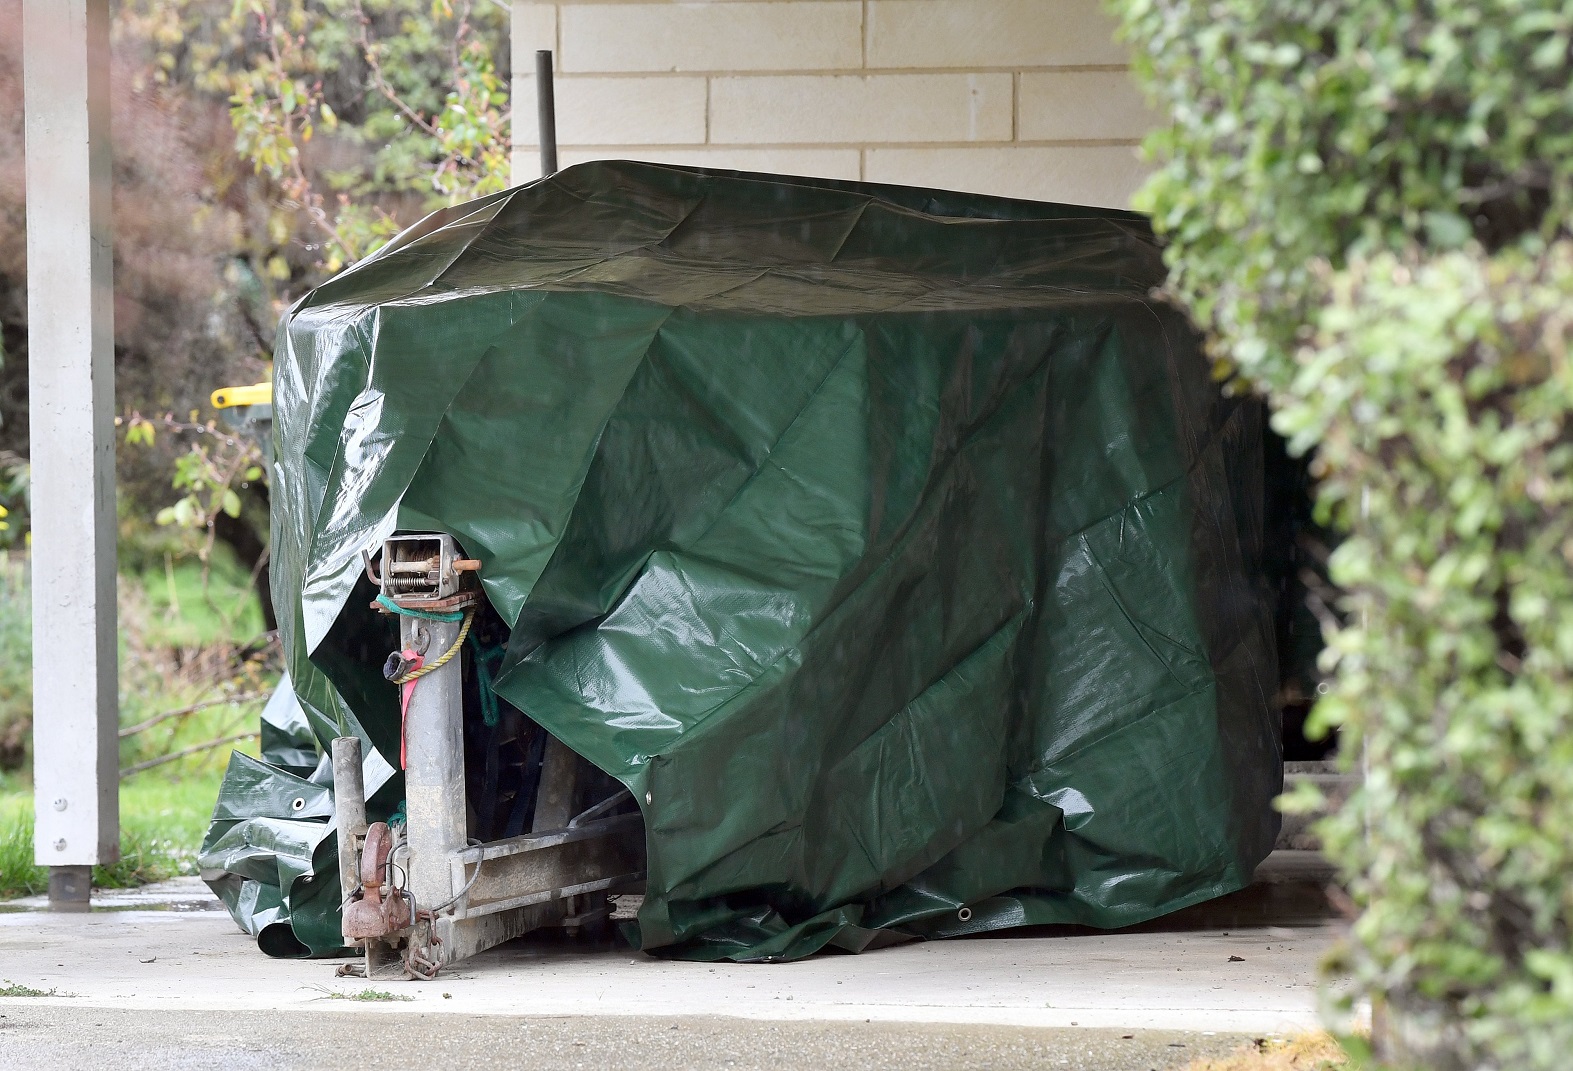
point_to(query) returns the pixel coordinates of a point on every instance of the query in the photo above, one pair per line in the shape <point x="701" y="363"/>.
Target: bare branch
<point x="207" y="745"/>
<point x="369" y="51"/>
<point x="157" y="719"/>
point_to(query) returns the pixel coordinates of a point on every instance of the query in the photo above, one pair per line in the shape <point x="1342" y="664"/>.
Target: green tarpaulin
<point x="894" y="547"/>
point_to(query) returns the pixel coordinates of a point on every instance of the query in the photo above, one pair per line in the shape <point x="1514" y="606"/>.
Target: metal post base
<point x="447" y="940"/>
<point x="384" y="957"/>
<point x="524" y="883"/>
<point x="70" y="888"/>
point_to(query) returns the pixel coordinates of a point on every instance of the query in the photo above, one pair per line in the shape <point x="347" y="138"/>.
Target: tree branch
<point x="206" y="704"/>
<point x="207" y="745"/>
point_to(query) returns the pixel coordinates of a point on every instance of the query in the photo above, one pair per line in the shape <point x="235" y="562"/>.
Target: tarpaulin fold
<point x="894" y="547"/>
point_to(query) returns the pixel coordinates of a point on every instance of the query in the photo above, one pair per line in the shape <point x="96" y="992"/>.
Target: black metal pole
<point x="546" y="111"/>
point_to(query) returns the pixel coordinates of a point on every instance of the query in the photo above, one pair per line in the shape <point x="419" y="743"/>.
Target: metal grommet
<point x="298" y="803"/>
<point x="1323" y="688"/>
<point x="965" y="914"/>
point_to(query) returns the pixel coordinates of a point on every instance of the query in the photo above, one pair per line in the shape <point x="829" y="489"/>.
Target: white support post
<point x="71" y="401"/>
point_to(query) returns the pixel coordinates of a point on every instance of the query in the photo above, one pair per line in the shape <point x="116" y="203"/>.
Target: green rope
<point x="483" y="658"/>
<point x="425" y="615"/>
<point x="484" y="675"/>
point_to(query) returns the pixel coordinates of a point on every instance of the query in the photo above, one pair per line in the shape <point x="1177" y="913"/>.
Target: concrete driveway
<point x="163" y="978"/>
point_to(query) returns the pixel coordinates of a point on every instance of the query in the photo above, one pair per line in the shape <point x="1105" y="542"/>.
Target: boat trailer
<point x="425" y="894"/>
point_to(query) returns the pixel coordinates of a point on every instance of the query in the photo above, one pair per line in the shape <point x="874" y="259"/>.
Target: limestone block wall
<point x="1025" y="98"/>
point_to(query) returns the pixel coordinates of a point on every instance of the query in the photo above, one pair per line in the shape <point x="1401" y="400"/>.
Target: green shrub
<point x="1312" y="131"/>
<point x="16" y="662"/>
<point x="1367" y="204"/>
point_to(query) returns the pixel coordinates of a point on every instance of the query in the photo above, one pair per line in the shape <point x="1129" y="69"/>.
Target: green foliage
<point x="162" y="822"/>
<point x="16" y="662"/>
<point x="209" y="476"/>
<point x="259" y="145"/>
<point x="194" y="668"/>
<point x="13" y="500"/>
<point x="195" y="308"/>
<point x="1368" y="206"/>
<point x="368" y="995"/>
<point x="17" y="989"/>
<point x="1460" y="682"/>
<point x="191" y="674"/>
<point x="191" y="642"/>
<point x="1312" y="131"/>
<point x="362" y="112"/>
<point x="177" y="605"/>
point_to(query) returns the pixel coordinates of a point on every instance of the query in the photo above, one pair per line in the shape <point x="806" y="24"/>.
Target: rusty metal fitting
<point x="369" y="912"/>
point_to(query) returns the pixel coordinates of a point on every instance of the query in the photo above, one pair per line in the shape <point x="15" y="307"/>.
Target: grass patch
<point x="12" y="989"/>
<point x="194" y="664"/>
<point x="368" y="995"/>
<point x="193" y="676"/>
<point x="193" y="609"/>
<point x="161" y="827"/>
<point x="1306" y="1052"/>
<point x="16" y="661"/>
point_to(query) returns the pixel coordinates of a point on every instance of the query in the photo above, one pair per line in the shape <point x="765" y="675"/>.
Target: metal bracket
<point x="422" y="572"/>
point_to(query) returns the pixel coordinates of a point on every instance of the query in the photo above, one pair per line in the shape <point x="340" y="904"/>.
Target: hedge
<point x="1367" y="210"/>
